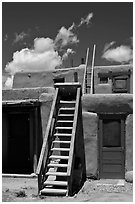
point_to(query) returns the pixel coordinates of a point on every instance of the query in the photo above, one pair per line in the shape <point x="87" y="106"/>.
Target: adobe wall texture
<point x="45" y="79"/>
<point x="108" y="103"/>
<point x="90" y="127"/>
<point x="46" y="99"/>
<point x="129" y="143"/>
<point x="25" y="93"/>
<point x="93" y="104"/>
<point x="114" y="104"/>
<point x="104" y="70"/>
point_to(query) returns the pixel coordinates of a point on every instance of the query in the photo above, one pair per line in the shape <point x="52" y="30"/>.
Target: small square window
<point x="59" y="80"/>
<point x="103" y="80"/>
<point x="121" y="84"/>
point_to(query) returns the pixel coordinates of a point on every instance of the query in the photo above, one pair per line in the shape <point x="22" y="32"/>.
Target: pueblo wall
<point x="25" y="93"/>
<point x="92" y="106"/>
<point x="90" y="127"/>
<point x="45" y="79"/>
<point x="108" y="71"/>
<point x="129" y="143"/>
<point x="106" y="104"/>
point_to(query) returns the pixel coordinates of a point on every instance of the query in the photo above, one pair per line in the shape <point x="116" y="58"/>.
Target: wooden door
<point x="18" y="143"/>
<point x="111" y="147"/>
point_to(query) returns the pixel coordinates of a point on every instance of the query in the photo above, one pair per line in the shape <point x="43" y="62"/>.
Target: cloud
<point x="121" y="54"/>
<point x="42" y="57"/>
<point x="86" y="20"/>
<point x="108" y="45"/>
<point x="65" y="37"/>
<point x="43" y="45"/>
<point x="67" y="53"/>
<point x="45" y="52"/>
<point x="6" y="37"/>
<point x="20" y="37"/>
<point x="9" y="82"/>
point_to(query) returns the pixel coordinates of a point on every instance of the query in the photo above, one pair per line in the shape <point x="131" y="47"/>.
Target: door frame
<point x="33" y="112"/>
<point x="101" y="117"/>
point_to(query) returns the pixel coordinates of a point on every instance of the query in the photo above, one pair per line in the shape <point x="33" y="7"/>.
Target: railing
<point x="72" y="146"/>
<point x="42" y="163"/>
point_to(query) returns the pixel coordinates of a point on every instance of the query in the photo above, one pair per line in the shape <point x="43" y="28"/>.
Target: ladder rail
<point x="92" y="70"/>
<point x="85" y="72"/>
<point x="72" y="146"/>
<point x="43" y="154"/>
<point x="59" y="160"/>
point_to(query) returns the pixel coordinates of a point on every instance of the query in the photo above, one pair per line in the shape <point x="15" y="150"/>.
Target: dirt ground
<point x="25" y="190"/>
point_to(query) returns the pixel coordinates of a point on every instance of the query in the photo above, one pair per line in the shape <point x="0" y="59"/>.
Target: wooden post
<point x="92" y="71"/>
<point x="85" y="70"/>
<point x="36" y="139"/>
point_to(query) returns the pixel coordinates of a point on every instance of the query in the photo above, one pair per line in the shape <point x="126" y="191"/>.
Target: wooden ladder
<point x="88" y="81"/>
<point x="57" y="175"/>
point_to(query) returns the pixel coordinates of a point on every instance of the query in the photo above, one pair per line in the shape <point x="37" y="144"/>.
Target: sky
<point x="41" y="36"/>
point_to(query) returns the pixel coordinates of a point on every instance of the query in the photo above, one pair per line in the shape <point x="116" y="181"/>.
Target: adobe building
<point x="107" y="119"/>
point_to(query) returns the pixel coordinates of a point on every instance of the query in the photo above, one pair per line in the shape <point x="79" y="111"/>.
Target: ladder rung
<point x="56" y="183"/>
<point x="60" y="141"/>
<point x="57" y="165"/>
<point x="53" y="191"/>
<point x="65" y="108"/>
<point x="64" y="121"/>
<point x="61" y="101"/>
<point x="66" y="115"/>
<point x="64" y="128"/>
<point x="62" y="134"/>
<point x="58" y="157"/>
<point x="55" y="173"/>
<point x="60" y="149"/>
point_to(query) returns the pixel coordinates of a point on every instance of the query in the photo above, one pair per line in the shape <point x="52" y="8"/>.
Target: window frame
<point x="120" y="90"/>
<point x="103" y="81"/>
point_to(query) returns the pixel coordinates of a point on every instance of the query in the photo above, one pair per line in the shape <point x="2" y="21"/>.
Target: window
<point x="59" y="80"/>
<point x="121" y="84"/>
<point x="103" y="80"/>
<point x="111" y="133"/>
